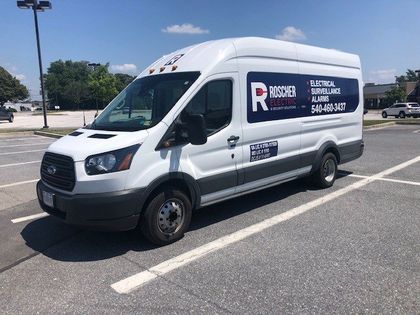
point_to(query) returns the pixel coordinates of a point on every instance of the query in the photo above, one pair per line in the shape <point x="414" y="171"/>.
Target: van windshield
<point x="144" y="102"/>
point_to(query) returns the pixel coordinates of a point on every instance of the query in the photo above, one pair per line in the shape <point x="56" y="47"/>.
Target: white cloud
<point x="291" y="34"/>
<point x="20" y="77"/>
<point x="382" y="76"/>
<point x="11" y="68"/>
<point x="13" y="72"/>
<point x="124" y="68"/>
<point x="185" y="28"/>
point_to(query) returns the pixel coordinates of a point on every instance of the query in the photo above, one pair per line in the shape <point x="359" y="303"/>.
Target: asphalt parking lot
<point x="353" y="248"/>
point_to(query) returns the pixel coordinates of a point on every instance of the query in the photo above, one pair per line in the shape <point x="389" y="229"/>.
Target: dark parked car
<point x="6" y="115"/>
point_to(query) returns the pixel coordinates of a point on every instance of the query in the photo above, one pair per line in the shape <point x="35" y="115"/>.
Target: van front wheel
<point x="326" y="174"/>
<point x="166" y="217"/>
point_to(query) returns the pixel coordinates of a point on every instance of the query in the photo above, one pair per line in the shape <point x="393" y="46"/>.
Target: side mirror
<point x="196" y="129"/>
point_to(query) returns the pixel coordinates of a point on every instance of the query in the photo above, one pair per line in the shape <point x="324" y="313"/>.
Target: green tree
<point x="76" y="92"/>
<point x="396" y="94"/>
<point x="103" y="85"/>
<point x="10" y="88"/>
<point x="66" y="83"/>
<point x="123" y="80"/>
<point x="410" y="76"/>
<point x="73" y="84"/>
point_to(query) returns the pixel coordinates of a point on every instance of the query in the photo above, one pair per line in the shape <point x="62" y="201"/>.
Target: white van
<point x="204" y="124"/>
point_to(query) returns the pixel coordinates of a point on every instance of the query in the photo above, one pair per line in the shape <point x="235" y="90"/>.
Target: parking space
<point x="18" y="151"/>
<point x="410" y="173"/>
<point x="329" y="260"/>
<point x="292" y="248"/>
<point x="20" y="159"/>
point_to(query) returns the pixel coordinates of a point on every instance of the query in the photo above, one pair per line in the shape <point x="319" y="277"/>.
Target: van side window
<point x="214" y="102"/>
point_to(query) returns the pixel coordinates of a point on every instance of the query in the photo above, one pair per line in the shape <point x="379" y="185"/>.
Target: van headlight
<point x="113" y="161"/>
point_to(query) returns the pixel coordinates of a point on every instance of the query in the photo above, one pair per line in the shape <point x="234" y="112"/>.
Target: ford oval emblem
<point x="51" y="169"/>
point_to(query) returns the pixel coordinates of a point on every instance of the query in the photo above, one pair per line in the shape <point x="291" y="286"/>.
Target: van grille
<point x="64" y="176"/>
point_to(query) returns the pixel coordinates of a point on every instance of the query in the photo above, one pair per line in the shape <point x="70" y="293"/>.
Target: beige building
<point x="374" y="94"/>
<point x="414" y="94"/>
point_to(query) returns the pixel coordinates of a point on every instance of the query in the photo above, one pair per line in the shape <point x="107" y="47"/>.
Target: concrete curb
<point x="402" y="122"/>
<point x="47" y="134"/>
<point x="391" y="123"/>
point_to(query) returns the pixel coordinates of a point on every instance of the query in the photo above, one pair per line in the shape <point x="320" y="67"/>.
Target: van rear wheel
<point x="166" y="217"/>
<point x="326" y="174"/>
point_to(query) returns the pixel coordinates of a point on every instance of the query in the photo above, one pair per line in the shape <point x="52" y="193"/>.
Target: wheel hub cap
<point x="171" y="216"/>
<point x="329" y="170"/>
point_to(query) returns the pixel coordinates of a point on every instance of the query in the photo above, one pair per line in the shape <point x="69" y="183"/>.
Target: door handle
<point x="232" y="139"/>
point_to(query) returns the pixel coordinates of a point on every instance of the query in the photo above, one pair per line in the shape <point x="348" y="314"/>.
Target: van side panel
<point x="269" y="147"/>
<point x="342" y="129"/>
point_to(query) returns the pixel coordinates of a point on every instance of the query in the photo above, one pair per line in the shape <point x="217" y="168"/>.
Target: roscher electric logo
<point x="278" y="96"/>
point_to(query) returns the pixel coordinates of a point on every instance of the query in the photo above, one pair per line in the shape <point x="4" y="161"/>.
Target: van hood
<point x="85" y="142"/>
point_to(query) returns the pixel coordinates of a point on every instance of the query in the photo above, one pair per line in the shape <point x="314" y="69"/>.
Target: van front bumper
<point x="112" y="211"/>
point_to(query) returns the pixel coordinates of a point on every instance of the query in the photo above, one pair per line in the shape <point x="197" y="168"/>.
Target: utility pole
<point x="94" y="66"/>
<point x="38" y="6"/>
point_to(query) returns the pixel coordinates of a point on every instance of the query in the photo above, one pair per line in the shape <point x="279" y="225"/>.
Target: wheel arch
<point x="326" y="147"/>
<point x="180" y="180"/>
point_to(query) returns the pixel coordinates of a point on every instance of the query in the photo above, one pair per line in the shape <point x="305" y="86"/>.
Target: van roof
<point x="203" y="56"/>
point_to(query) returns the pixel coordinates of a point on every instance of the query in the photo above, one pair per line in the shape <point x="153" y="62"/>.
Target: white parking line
<point x="22" y="163"/>
<point x="6" y="153"/>
<point x="19" y="183"/>
<point x="416" y="131"/>
<point x="388" y="180"/>
<point x="30" y="217"/>
<point x="23" y="145"/>
<point x="131" y="283"/>
<point x="22" y="139"/>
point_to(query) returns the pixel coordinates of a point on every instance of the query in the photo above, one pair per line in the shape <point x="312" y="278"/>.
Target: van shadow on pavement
<point x="58" y="241"/>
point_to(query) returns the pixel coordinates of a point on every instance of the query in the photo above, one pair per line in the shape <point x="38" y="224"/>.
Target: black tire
<point x="11" y="118"/>
<point x="326" y="174"/>
<point x="401" y="114"/>
<point x="384" y="115"/>
<point x="166" y="207"/>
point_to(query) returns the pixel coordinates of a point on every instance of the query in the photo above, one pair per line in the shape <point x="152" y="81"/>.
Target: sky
<point x="131" y="34"/>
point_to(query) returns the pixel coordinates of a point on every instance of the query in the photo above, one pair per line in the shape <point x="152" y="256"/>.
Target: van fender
<point x="188" y="180"/>
<point x="326" y="146"/>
